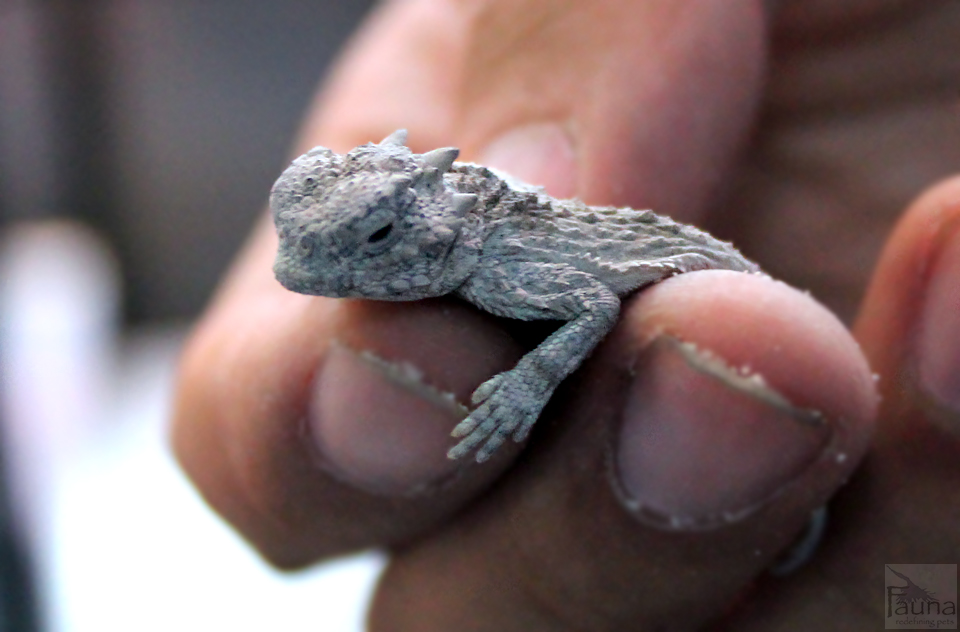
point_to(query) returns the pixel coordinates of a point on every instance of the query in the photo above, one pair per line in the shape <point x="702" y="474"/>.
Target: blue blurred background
<point x="138" y="141"/>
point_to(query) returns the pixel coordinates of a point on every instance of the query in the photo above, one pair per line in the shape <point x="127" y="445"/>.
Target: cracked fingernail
<point x="938" y="340"/>
<point x="378" y="425"/>
<point x="537" y="153"/>
<point x="704" y="444"/>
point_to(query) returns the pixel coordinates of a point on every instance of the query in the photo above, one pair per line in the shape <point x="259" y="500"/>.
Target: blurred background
<point x="138" y="141"/>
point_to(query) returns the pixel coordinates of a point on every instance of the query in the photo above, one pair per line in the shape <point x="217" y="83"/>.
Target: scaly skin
<point x="384" y="223"/>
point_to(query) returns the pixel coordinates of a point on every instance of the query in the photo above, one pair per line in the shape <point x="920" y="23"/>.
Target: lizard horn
<point x="463" y="202"/>
<point x="399" y="137"/>
<point x="400" y="183"/>
<point x="442" y="158"/>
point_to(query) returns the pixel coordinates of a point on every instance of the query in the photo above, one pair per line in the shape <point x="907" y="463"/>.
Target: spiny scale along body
<point x="384" y="223"/>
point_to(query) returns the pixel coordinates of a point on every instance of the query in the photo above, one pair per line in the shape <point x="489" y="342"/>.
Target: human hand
<point x="802" y="151"/>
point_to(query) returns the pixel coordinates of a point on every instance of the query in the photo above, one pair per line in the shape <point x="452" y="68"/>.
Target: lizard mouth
<point x="295" y="283"/>
<point x="315" y="286"/>
<point x="300" y="281"/>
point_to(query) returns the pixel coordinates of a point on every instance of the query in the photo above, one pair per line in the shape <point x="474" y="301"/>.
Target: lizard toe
<point x="466" y="426"/>
<point x="497" y="438"/>
<point x="485" y="390"/>
<point x="525" y="426"/>
<point x="474" y="430"/>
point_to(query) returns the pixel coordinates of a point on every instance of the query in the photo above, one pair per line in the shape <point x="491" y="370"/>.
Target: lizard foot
<point x="509" y="404"/>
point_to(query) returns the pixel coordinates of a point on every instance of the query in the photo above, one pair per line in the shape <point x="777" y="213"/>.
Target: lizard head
<point x="376" y="223"/>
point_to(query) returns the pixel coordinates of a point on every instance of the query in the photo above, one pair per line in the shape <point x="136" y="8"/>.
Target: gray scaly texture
<point x="384" y="223"/>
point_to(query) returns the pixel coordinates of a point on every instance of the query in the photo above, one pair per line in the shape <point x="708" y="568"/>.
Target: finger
<point x="909" y="325"/>
<point x="615" y="102"/>
<point x="401" y="70"/>
<point x="259" y="425"/>
<point x="901" y="507"/>
<point x="663" y="480"/>
<point x="318" y="426"/>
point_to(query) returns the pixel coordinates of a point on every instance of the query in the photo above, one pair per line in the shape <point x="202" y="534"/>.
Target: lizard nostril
<point x="307" y="244"/>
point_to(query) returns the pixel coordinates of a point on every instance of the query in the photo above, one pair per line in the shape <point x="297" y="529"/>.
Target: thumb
<point x="615" y="102"/>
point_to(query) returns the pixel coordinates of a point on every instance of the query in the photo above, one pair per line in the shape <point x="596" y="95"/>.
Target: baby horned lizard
<point x="384" y="223"/>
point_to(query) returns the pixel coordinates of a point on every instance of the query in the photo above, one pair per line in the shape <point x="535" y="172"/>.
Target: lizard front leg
<point x="510" y="402"/>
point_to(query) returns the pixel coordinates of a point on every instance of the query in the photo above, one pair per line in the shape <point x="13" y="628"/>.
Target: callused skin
<point x="384" y="223"/>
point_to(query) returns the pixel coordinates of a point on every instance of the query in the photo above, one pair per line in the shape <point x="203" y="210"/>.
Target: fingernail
<point x="537" y="153"/>
<point x="938" y="340"/>
<point x="378" y="425"/>
<point x="704" y="444"/>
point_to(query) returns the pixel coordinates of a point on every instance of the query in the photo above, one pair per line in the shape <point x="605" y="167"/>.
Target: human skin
<point x="800" y="130"/>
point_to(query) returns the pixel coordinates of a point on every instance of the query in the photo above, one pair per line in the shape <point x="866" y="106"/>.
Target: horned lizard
<point x="384" y="223"/>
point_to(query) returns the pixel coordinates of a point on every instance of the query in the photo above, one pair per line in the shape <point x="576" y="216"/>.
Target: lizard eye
<point x="380" y="234"/>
